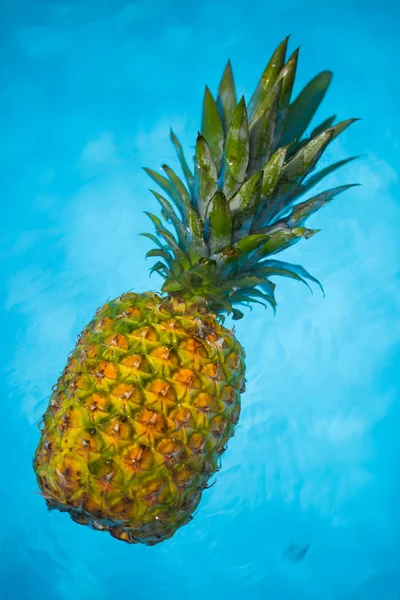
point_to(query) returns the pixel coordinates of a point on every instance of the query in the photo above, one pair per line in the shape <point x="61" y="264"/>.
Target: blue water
<point x="306" y="505"/>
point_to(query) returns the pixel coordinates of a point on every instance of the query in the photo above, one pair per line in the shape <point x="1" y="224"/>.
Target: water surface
<point x="306" y="504"/>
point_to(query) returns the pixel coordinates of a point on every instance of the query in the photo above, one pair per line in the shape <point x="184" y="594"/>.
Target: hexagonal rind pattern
<point x="140" y="416"/>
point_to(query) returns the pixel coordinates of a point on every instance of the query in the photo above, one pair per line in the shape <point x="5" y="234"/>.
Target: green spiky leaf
<point x="236" y="155"/>
<point x="158" y="253"/>
<point x="237" y="314"/>
<point x="251" y="242"/>
<point x="273" y="171"/>
<point x="219" y="218"/>
<point x="302" y="211"/>
<point x="206" y="177"/>
<point x="268" y="287"/>
<point x="195" y="245"/>
<point x="262" y="129"/>
<point x="287" y="76"/>
<point x="181" y="193"/>
<point x="227" y="305"/>
<point x="305" y="159"/>
<point x="342" y="126"/>
<point x="184" y="165"/>
<point x="180" y="228"/>
<point x="245" y="202"/>
<point x="313" y="180"/>
<point x="268" y="78"/>
<point x="226" y="100"/>
<point x="160" y="268"/>
<point x="205" y="269"/>
<point x="164" y="184"/>
<point x="284" y="269"/>
<point x="247" y="281"/>
<point x="227" y="262"/>
<point x="252" y="294"/>
<point x="302" y="164"/>
<point x="303" y="109"/>
<point x="155" y="240"/>
<point x="180" y="255"/>
<point x="294" y="171"/>
<point x="284" y="238"/>
<point x="172" y="285"/>
<point x="322" y="126"/>
<point x="211" y="128"/>
<point x="297" y="145"/>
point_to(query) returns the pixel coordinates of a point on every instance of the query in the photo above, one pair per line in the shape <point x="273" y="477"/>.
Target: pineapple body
<point x="140" y="416"/>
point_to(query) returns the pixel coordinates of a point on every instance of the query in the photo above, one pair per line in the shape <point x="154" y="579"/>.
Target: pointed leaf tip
<point x="237" y="314"/>
<point x="268" y="78"/>
<point x="181" y="194"/>
<point x="287" y="76"/>
<point x="302" y="110"/>
<point x="283" y="238"/>
<point x="236" y="155"/>
<point x="212" y="128"/>
<point x="184" y="165"/>
<point x="226" y="100"/>
<point x="277" y="267"/>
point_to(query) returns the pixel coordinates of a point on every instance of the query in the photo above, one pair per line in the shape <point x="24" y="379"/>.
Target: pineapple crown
<point x="241" y="205"/>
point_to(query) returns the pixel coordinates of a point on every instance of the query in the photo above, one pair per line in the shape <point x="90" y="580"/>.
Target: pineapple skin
<point x="139" y="417"/>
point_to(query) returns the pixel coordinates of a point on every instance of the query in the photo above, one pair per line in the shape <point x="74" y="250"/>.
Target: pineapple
<point x="150" y="396"/>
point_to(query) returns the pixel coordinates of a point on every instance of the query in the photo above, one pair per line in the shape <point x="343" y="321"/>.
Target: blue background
<point x="89" y="89"/>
